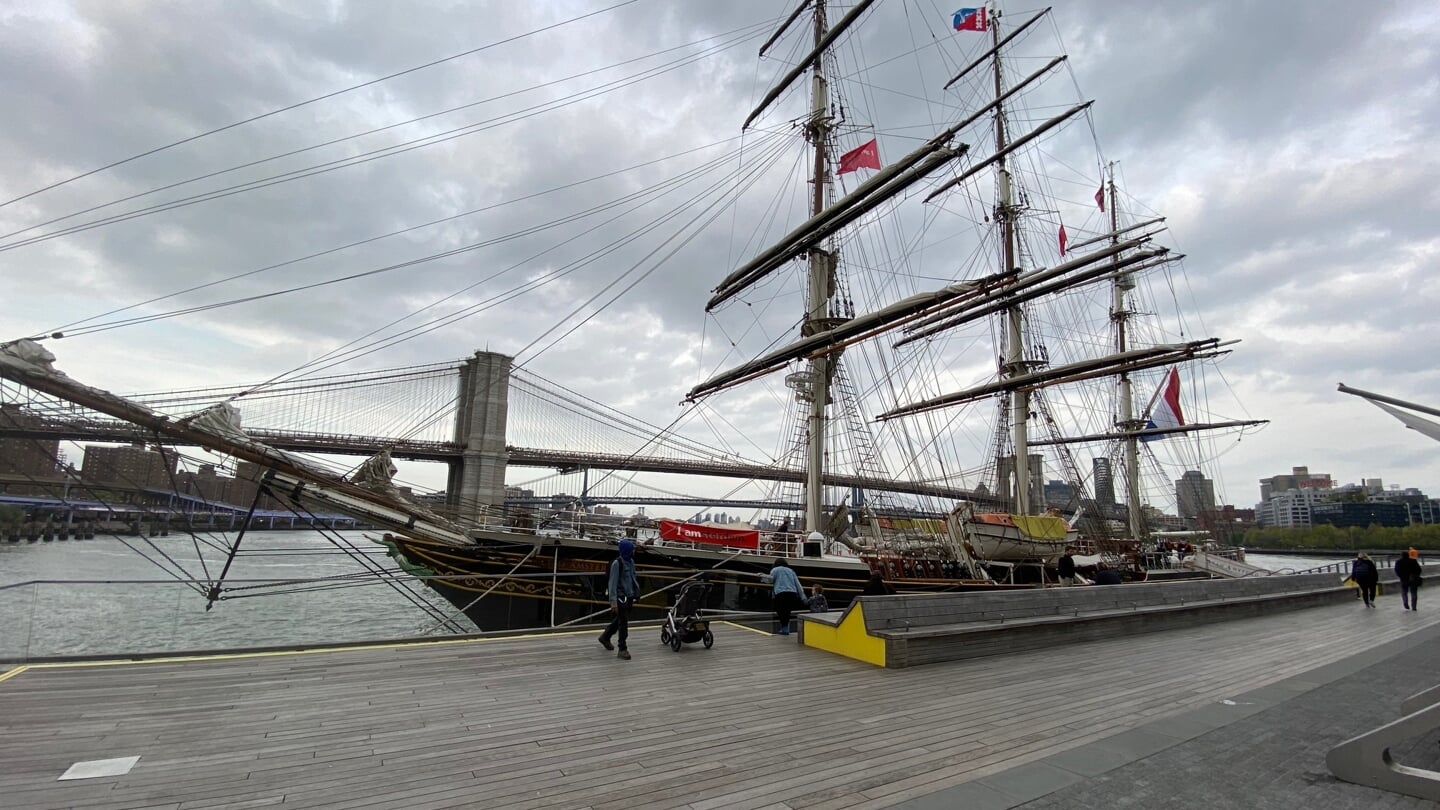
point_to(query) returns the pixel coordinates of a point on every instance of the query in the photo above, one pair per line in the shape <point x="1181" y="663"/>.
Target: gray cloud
<point x="1296" y="155"/>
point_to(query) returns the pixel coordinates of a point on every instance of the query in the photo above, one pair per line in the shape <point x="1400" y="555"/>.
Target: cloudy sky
<point x="1294" y="152"/>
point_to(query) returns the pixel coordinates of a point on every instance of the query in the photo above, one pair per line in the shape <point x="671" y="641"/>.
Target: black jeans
<point x="620" y="624"/>
<point x="1410" y="594"/>
<point x="786" y="603"/>
<point x="1367" y="590"/>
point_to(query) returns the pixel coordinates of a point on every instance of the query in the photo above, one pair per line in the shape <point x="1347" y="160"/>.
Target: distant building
<point x="1104" y="481"/>
<point x="206" y="484"/>
<point x="1060" y="494"/>
<point x="30" y="459"/>
<point x="247" y="483"/>
<point x="132" y="466"/>
<point x="1299" y="478"/>
<point x="1287" y="510"/>
<point x="1348" y="514"/>
<point x="1005" y="473"/>
<point x="1422" y="508"/>
<point x="1194" y="495"/>
<point x="1226" y="523"/>
<point x="1157" y="521"/>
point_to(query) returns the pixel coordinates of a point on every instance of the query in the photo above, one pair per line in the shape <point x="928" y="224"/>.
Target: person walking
<point x="1067" y="569"/>
<point x="1366" y="575"/>
<point x="623" y="590"/>
<point x="1407" y="570"/>
<point x="786" y="595"/>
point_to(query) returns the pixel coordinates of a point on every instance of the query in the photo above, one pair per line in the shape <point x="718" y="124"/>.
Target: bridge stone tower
<point x="477" y="479"/>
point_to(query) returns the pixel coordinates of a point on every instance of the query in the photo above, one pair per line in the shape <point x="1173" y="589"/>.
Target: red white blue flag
<point x="971" y="19"/>
<point x="1165" y="407"/>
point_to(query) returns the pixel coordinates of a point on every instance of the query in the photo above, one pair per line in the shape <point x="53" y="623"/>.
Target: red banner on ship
<point x="714" y="535"/>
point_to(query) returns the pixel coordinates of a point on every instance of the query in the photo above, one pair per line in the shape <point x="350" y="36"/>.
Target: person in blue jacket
<point x="623" y="589"/>
<point x="786" y="595"/>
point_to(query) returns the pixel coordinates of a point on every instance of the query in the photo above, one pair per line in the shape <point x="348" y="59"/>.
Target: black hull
<point x="506" y="585"/>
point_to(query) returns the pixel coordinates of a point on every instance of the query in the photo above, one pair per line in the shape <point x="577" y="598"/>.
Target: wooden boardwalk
<point x="556" y="722"/>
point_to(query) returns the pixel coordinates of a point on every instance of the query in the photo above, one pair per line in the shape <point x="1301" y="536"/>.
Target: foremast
<point x="1015" y="364"/>
<point x="820" y="288"/>
<point x="1120" y="314"/>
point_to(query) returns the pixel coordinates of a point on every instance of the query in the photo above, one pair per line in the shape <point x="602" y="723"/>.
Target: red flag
<point x="1064" y="240"/>
<point x="1100" y="197"/>
<point x="865" y="156"/>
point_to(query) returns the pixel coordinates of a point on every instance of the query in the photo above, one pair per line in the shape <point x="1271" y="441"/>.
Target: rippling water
<point x="92" y="599"/>
<point x="1284" y="564"/>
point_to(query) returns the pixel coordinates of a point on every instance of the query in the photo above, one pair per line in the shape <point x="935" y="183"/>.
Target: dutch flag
<point x="1165" y="407"/>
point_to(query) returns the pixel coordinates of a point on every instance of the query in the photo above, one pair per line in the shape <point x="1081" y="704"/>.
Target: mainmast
<point x="1014" y="349"/>
<point x="818" y="292"/>
<point x="1124" y="283"/>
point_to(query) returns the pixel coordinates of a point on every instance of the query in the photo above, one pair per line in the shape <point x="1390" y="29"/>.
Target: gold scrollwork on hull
<point x="519" y="587"/>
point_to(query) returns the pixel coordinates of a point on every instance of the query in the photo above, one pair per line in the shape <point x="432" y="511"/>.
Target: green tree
<point x="11" y="515"/>
<point x="1417" y="535"/>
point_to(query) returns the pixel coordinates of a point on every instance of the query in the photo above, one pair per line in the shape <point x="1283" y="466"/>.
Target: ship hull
<point x="520" y="582"/>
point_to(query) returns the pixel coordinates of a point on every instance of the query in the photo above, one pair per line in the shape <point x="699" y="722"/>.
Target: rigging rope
<point x="329" y="95"/>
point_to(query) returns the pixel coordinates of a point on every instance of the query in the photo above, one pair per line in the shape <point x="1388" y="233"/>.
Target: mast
<point x="817" y="296"/>
<point x="1014" y="348"/>
<point x="1125" y="282"/>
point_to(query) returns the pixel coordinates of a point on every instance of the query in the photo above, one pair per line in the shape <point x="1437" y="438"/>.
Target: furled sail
<point x="1394" y="407"/>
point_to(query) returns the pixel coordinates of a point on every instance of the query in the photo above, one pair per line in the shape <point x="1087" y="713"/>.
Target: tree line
<point x="1416" y="535"/>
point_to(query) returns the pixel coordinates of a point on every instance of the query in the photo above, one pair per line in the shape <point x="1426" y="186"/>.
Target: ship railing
<point x="1338" y="567"/>
<point x="713" y="547"/>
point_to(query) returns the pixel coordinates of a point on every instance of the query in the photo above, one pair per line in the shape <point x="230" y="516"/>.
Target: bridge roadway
<point x="563" y="460"/>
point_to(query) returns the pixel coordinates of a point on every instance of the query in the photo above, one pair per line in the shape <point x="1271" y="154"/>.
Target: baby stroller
<point x="683" y="624"/>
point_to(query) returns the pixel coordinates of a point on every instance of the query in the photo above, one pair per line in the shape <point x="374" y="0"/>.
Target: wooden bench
<point x="912" y="629"/>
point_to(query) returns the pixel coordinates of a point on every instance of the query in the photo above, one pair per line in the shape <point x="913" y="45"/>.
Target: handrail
<point x="1366" y="760"/>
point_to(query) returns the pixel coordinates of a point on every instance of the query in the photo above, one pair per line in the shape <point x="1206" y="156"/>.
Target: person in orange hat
<point x="1407" y="570"/>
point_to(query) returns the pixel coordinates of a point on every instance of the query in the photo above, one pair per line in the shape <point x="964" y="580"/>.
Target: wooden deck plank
<point x="556" y="722"/>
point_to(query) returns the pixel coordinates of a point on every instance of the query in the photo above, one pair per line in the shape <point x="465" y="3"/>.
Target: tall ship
<point x="965" y="301"/>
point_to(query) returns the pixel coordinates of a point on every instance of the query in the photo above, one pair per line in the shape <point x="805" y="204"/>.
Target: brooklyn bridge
<point x="479" y="417"/>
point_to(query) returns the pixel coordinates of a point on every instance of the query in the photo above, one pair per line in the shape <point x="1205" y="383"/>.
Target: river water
<point x="107" y="596"/>
<point x="1291" y="565"/>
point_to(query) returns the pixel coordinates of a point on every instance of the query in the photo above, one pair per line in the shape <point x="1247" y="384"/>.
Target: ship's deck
<point x="756" y="722"/>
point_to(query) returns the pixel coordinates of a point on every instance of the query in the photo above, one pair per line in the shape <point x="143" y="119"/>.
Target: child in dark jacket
<point x="817" y="602"/>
